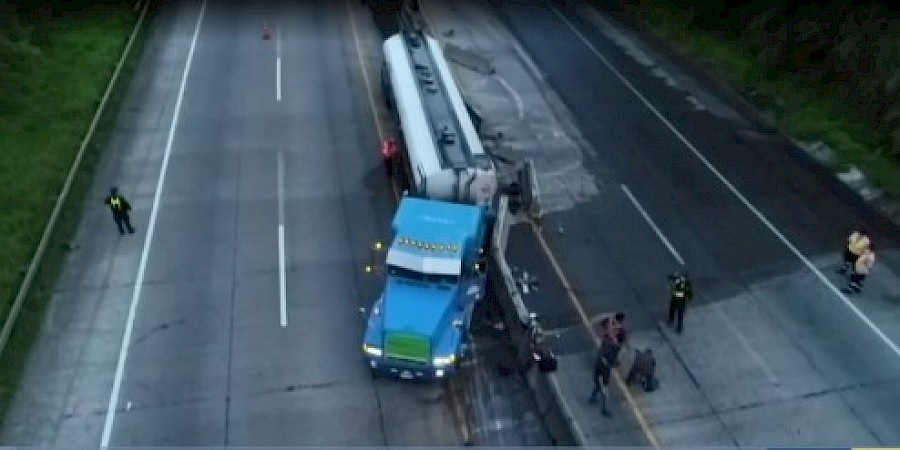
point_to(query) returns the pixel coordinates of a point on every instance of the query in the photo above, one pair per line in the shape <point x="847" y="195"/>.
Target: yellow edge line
<point x="363" y="67"/>
<point x="365" y="73"/>
<point x="635" y="409"/>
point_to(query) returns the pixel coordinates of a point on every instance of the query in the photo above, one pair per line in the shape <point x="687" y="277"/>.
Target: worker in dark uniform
<point x="681" y="293"/>
<point x="120" y="208"/>
<point x="606" y="354"/>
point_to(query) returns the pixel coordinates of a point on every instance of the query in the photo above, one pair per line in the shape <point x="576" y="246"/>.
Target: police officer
<point x="681" y="294"/>
<point x="120" y="208"/>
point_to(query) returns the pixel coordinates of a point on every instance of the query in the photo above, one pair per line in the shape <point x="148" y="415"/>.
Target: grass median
<point x="56" y="83"/>
<point x="808" y="113"/>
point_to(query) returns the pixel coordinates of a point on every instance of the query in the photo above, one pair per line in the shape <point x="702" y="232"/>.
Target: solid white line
<point x="887" y="341"/>
<point x="13" y="314"/>
<point x="652" y="224"/>
<point x="139" y="282"/>
<point x="278" y="78"/>
<point x="282" y="278"/>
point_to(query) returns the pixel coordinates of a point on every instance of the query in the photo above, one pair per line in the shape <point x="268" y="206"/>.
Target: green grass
<point x="809" y="113"/>
<point x="42" y="121"/>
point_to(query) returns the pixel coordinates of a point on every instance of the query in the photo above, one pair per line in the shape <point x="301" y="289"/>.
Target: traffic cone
<point x="266" y="33"/>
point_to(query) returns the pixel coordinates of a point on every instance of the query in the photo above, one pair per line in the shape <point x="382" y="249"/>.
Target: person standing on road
<point x="602" y="372"/>
<point x="861" y="268"/>
<point x="120" y="208"/>
<point x="609" y="331"/>
<point x="681" y="293"/>
<point x="857" y="242"/>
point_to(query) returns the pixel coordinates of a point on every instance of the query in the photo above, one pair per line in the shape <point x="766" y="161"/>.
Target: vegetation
<point x="830" y="68"/>
<point x="56" y="58"/>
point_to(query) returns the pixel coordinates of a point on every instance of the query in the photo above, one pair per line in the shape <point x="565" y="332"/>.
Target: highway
<point x="253" y="169"/>
<point x="772" y="351"/>
<point x="252" y="165"/>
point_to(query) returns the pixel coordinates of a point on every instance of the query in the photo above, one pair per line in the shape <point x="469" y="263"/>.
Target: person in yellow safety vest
<point x="120" y="208"/>
<point x="860" y="269"/>
<point x="857" y="242"/>
<point x="681" y="293"/>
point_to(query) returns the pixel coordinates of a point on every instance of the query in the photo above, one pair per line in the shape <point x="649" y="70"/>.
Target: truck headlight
<point x="443" y="361"/>
<point x="372" y="350"/>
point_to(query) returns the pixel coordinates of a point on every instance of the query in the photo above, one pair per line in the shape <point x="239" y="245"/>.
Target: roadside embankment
<point x="56" y="63"/>
<point x="827" y="76"/>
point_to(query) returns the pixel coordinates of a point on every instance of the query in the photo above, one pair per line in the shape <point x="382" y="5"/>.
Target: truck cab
<point x="418" y="326"/>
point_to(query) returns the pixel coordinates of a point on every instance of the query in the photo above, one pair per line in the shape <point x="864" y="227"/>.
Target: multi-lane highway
<point x="248" y="147"/>
<point x="253" y="169"/>
<point x="773" y="351"/>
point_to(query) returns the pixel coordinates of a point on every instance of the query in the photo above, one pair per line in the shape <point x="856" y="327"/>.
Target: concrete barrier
<point x="552" y="406"/>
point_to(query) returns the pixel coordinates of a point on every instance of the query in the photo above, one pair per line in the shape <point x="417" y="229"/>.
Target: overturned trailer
<point x="440" y="155"/>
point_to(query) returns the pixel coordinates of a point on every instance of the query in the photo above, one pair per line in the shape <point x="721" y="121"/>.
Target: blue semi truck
<point x="434" y="276"/>
<point x="418" y="326"/>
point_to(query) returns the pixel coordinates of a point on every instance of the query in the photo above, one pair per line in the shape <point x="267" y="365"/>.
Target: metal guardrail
<point x="38" y="257"/>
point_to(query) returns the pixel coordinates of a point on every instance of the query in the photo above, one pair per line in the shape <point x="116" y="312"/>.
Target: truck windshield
<point x="430" y="278"/>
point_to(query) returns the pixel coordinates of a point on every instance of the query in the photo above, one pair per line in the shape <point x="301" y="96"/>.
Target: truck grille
<point x="407" y="346"/>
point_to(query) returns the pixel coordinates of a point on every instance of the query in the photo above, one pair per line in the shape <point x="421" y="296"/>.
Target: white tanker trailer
<point x="440" y="156"/>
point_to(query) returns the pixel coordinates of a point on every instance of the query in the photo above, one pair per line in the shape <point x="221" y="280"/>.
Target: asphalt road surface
<point x="218" y="356"/>
<point x="771" y="351"/>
